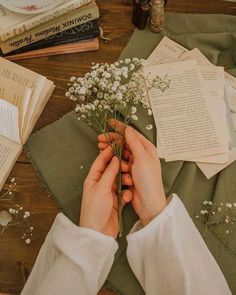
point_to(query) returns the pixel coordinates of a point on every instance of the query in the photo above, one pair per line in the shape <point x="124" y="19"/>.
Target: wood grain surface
<point x="17" y="258"/>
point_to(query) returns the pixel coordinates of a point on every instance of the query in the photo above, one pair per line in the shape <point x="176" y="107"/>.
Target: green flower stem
<point x="119" y="194"/>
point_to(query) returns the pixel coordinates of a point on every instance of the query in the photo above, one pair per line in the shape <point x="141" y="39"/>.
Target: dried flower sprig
<point x="16" y="215"/>
<point x="221" y="226"/>
<point x="9" y="193"/>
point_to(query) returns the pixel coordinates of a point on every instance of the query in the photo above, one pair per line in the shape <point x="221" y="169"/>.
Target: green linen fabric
<point x="60" y="150"/>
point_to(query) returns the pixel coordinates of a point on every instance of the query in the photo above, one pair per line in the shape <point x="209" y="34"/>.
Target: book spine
<point x="88" y="45"/>
<point x="80" y="16"/>
<point x="68" y="40"/>
<point x="41" y="19"/>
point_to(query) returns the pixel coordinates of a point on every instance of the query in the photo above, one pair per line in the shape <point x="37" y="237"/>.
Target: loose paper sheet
<point x="214" y="80"/>
<point x="164" y="53"/>
<point x="167" y="51"/>
<point x="230" y="97"/>
<point x="9" y="121"/>
<point x="182" y="114"/>
<point x="234" y="121"/>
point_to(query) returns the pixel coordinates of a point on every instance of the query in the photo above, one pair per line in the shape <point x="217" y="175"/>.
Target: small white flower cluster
<point x="9" y="193"/>
<point x="225" y="214"/>
<point x="160" y="83"/>
<point x="109" y="90"/>
<point x="16" y="216"/>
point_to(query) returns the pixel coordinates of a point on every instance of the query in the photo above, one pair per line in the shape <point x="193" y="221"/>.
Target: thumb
<point x="134" y="143"/>
<point x="111" y="172"/>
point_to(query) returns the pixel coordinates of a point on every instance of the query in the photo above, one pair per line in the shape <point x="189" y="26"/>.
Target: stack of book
<point x="69" y="27"/>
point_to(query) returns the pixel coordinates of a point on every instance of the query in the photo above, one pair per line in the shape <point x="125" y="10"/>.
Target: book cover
<point x="82" y="32"/>
<point x="79" y="16"/>
<point x="13" y="24"/>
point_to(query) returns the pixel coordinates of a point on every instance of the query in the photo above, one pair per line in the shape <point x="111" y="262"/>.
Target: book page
<point x="9" y="152"/>
<point x="167" y="51"/>
<point x="203" y="61"/>
<point x="214" y="81"/>
<point x="9" y="121"/>
<point x="43" y="99"/>
<point x="234" y="121"/>
<point x="214" y="78"/>
<point x="183" y="117"/>
<point x="210" y="170"/>
<point x="25" y="78"/>
<point x="198" y="56"/>
<point x="231" y="97"/>
<point x="17" y="95"/>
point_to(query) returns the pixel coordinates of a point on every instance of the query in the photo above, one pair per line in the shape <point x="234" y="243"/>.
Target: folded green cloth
<point x="60" y="150"/>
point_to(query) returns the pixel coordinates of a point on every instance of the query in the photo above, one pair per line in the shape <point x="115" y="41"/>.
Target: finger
<point x="117" y="125"/>
<point x="99" y="166"/>
<point x="114" y="186"/>
<point x="103" y="145"/>
<point x="124" y="166"/>
<point x="110" y="137"/>
<point x="109" y="175"/>
<point x="126" y="146"/>
<point x="127" y="196"/>
<point x="127" y="179"/>
<point x="134" y="143"/>
<point x="120" y="127"/>
<point x="126" y="154"/>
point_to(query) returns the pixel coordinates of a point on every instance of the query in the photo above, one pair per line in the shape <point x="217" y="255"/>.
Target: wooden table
<point x="17" y="258"/>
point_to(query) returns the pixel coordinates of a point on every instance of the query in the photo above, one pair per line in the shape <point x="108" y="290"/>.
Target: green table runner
<point x="60" y="150"/>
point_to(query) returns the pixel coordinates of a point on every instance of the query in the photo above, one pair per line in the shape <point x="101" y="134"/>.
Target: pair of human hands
<point x="141" y="173"/>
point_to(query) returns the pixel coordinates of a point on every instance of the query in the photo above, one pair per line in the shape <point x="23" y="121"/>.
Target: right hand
<point x="144" y="165"/>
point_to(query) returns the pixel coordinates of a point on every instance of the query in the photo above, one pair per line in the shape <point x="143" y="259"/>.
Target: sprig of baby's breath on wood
<point x="15" y="215"/>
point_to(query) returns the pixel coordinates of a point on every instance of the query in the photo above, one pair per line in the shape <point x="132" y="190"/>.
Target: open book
<point x="23" y="95"/>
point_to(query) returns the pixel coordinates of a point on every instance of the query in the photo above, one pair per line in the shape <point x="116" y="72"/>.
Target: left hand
<point x="99" y="210"/>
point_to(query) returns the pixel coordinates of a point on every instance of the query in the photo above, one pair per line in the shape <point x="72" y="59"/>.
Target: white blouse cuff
<point x="68" y="238"/>
<point x="139" y="231"/>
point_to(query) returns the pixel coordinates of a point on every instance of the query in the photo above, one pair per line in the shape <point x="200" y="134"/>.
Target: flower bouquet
<point x="112" y="91"/>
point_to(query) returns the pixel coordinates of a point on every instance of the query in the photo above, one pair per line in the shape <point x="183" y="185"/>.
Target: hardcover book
<point x="23" y="95"/>
<point x="86" y="31"/>
<point x="82" y="46"/>
<point x="13" y="24"/>
<point x="79" y="16"/>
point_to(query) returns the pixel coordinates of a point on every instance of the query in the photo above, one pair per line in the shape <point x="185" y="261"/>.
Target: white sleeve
<point x="72" y="260"/>
<point x="168" y="256"/>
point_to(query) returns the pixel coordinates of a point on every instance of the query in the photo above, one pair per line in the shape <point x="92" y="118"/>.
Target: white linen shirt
<point x="168" y="256"/>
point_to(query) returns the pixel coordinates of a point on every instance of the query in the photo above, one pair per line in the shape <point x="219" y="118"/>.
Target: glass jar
<point x="157" y="15"/>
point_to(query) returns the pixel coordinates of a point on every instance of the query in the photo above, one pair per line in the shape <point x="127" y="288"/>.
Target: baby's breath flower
<point x="133" y="110"/>
<point x="149" y="127"/>
<point x="12" y="211"/>
<point x="72" y="79"/>
<point x="28" y="241"/>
